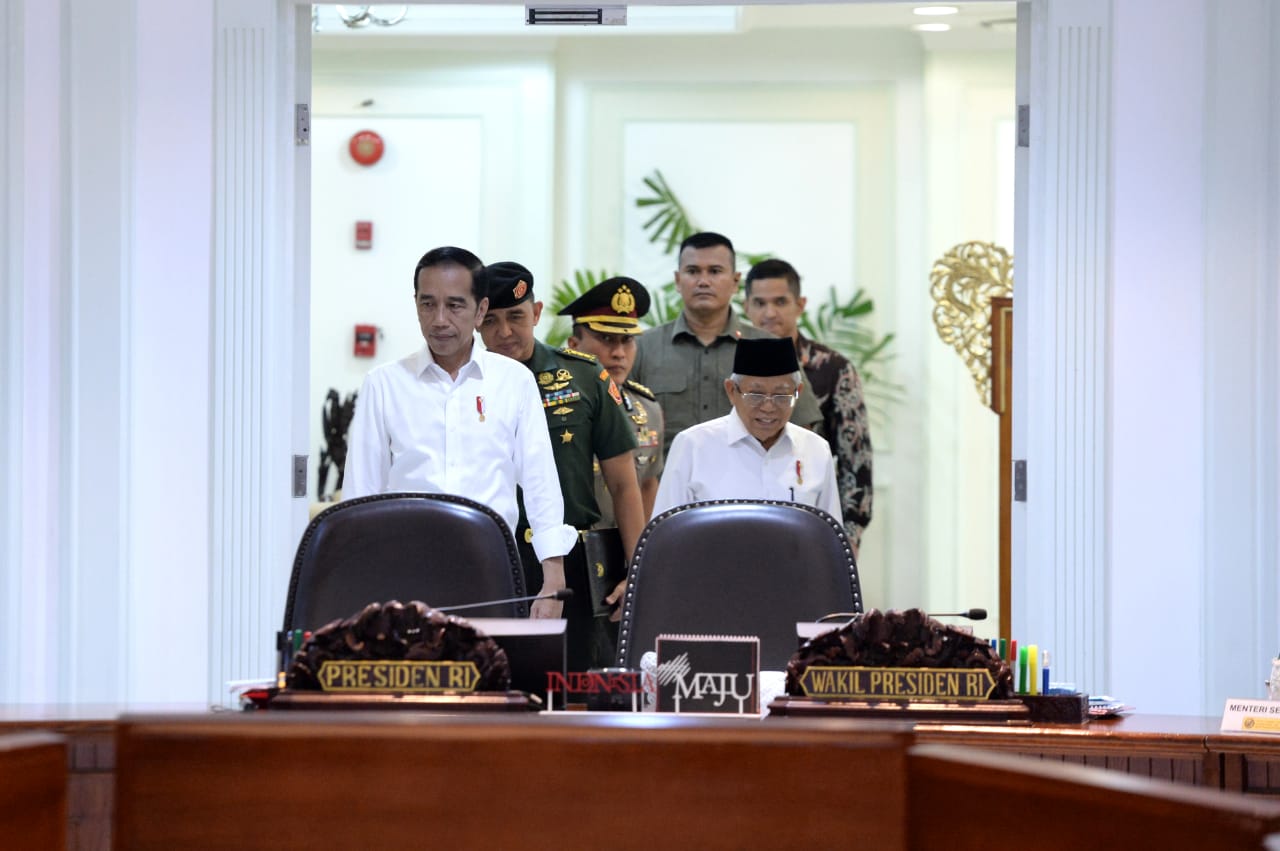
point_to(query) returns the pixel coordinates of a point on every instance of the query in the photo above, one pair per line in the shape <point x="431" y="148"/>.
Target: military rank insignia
<point x="614" y="394"/>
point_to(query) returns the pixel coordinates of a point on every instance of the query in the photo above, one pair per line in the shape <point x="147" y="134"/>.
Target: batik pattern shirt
<point x="835" y="384"/>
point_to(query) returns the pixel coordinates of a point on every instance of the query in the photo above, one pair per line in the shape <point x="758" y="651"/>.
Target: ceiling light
<point x="931" y="28"/>
<point x="935" y="10"/>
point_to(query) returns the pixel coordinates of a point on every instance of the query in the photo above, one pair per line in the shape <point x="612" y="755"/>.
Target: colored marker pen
<point x="1013" y="662"/>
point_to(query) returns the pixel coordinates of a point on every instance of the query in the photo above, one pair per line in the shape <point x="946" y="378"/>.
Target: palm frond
<point x="564" y="294"/>
<point x="671" y="225"/>
<point x="840" y="324"/>
<point x="836" y="324"/>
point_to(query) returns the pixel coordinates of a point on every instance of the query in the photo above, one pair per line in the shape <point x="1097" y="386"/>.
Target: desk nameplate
<point x="1008" y="712"/>
<point x="947" y="685"/>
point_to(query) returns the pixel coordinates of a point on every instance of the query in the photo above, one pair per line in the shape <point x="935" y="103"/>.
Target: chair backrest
<point x="442" y="549"/>
<point x="737" y="567"/>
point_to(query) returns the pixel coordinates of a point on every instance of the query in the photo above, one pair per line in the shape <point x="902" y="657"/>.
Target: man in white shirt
<point x="453" y="418"/>
<point x="753" y="452"/>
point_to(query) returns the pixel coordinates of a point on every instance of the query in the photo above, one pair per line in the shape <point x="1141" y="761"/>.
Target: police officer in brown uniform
<point x="606" y="322"/>
<point x="587" y="422"/>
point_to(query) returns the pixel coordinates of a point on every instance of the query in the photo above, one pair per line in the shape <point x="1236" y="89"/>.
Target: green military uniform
<point x="645" y="414"/>
<point x="688" y="377"/>
<point x="587" y="421"/>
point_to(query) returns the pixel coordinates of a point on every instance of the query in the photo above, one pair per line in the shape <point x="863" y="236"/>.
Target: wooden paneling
<point x="33" y="792"/>
<point x="371" y="781"/>
<point x="964" y="799"/>
<point x="1187" y="750"/>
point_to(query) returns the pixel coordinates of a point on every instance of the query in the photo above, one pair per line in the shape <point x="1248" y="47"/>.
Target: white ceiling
<point x="975" y="26"/>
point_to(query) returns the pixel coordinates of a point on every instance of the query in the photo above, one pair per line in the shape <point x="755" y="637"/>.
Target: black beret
<point x="765" y="358"/>
<point x="509" y="284"/>
<point x="613" y="306"/>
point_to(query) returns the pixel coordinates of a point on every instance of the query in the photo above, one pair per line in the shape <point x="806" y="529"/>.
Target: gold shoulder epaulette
<point x="641" y="389"/>
<point x="574" y="353"/>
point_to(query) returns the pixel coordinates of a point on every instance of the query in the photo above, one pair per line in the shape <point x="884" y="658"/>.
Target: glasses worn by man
<point x="753" y="452"/>
<point x="755" y="400"/>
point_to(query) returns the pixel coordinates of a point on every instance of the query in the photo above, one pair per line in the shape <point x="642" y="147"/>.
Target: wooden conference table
<point x="1186" y="750"/>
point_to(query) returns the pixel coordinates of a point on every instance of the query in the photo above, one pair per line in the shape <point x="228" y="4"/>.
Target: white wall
<point x="969" y="105"/>
<point x="466" y="163"/>
<point x="105" y="532"/>
<point x="1149" y="408"/>
<point x="724" y="125"/>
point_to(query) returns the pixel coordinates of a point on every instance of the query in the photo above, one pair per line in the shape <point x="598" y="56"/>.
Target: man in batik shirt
<point x="774" y="303"/>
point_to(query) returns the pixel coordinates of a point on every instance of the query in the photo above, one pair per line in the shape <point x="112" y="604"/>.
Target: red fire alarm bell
<point x="366" y="147"/>
<point x="364" y="235"/>
<point x="366" y="341"/>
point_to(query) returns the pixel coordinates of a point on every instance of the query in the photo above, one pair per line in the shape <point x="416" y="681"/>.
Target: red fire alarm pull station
<point x="366" y="341"/>
<point x="364" y="235"/>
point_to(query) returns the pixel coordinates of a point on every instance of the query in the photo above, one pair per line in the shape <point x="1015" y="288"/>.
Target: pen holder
<point x="1070" y="708"/>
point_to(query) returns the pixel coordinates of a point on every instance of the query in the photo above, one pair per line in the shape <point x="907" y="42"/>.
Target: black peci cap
<point x="765" y="358"/>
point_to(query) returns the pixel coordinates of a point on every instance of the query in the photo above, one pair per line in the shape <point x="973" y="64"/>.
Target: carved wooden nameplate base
<point x="481" y="701"/>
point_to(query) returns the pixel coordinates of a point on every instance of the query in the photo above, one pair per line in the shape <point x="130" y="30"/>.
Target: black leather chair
<point x="438" y="548"/>
<point x="737" y="567"/>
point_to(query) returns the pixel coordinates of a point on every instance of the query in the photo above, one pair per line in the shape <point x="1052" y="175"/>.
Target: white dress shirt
<point x="417" y="429"/>
<point x="719" y="459"/>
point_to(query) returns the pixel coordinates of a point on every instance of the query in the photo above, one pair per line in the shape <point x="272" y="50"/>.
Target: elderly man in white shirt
<point x="753" y="452"/>
<point x="453" y="418"/>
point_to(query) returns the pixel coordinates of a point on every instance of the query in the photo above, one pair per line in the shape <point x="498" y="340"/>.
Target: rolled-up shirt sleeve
<point x="536" y="473"/>
<point x="368" y="464"/>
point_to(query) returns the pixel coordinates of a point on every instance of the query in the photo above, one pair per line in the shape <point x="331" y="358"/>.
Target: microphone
<point x="562" y="594"/>
<point x="971" y="614"/>
<point x="840" y="616"/>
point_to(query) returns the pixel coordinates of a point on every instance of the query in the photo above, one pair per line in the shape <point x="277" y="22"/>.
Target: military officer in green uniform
<point x="587" y="421"/>
<point x="606" y="322"/>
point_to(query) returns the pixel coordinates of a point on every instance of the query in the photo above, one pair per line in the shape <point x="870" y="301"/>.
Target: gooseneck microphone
<point x="562" y="594"/>
<point x="971" y="614"/>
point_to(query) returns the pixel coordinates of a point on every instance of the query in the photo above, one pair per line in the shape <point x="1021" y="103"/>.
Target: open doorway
<point x="836" y="136"/>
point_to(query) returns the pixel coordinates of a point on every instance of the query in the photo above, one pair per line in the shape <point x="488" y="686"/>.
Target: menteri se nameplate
<point x="1246" y="715"/>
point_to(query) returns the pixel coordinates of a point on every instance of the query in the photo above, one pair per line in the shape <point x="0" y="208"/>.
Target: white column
<point x="1241" y="267"/>
<point x="259" y="366"/>
<point x="33" y="516"/>
<point x="1158" y="356"/>
<point x="68" y="207"/>
<point x="1150" y="385"/>
<point x="100" y="212"/>
<point x="170" y="322"/>
<point x="1062" y="319"/>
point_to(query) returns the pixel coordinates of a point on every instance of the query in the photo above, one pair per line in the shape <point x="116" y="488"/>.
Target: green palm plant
<point x="564" y="294"/>
<point x="840" y="324"/>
